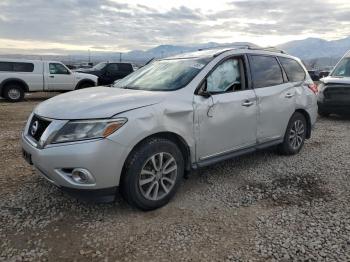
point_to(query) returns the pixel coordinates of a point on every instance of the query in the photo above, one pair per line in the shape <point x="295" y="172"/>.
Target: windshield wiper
<point x="130" y="87"/>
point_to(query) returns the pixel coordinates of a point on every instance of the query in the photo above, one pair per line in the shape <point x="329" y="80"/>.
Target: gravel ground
<point x="260" y="207"/>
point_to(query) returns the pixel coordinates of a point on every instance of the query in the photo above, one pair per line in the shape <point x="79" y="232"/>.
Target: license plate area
<point x="27" y="157"/>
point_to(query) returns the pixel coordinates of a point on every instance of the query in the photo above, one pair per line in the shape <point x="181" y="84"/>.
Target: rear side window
<point x="125" y="67"/>
<point x="266" y="71"/>
<point x="293" y="69"/>
<point x="16" y="67"/>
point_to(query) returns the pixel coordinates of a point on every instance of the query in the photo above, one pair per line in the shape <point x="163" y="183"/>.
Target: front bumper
<point x="103" y="158"/>
<point x="335" y="107"/>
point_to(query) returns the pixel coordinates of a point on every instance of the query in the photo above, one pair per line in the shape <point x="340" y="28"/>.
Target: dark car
<point x="314" y="75"/>
<point x="334" y="90"/>
<point x="324" y="73"/>
<point x="108" y="72"/>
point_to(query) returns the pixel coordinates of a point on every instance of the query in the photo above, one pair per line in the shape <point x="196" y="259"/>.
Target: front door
<point x="225" y="120"/>
<point x="59" y="78"/>
<point x="112" y="73"/>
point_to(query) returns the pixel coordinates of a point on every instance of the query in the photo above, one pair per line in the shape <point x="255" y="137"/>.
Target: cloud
<point x="112" y="24"/>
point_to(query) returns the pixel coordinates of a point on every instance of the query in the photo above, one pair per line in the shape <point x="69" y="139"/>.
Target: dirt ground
<point x="260" y="207"/>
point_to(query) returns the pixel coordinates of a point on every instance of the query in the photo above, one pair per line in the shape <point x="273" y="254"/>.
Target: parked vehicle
<point x="314" y="75"/>
<point x="108" y="72"/>
<point x="334" y="90"/>
<point x="171" y="116"/>
<point x="18" y="76"/>
<point x="324" y="73"/>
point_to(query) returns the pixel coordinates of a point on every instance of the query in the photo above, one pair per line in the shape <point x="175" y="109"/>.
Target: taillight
<point x="313" y="88"/>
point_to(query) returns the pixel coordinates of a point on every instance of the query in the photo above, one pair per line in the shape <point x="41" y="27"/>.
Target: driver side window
<point x="112" y="68"/>
<point x="58" y="69"/>
<point x="226" y="77"/>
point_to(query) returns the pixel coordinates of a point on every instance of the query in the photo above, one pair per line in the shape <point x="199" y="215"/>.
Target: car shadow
<point x="335" y="117"/>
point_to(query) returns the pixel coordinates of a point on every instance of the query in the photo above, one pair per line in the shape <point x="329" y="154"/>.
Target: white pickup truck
<point x="18" y="76"/>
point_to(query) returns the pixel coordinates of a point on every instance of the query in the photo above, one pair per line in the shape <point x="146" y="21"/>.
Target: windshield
<point x="343" y="68"/>
<point x="100" y="66"/>
<point x="164" y="75"/>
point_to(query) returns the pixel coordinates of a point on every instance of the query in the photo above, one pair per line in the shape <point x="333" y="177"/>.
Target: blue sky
<point x="113" y="25"/>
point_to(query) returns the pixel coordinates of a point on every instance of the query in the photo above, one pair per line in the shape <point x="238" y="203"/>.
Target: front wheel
<point x="295" y="135"/>
<point x="85" y="85"/>
<point x="152" y="174"/>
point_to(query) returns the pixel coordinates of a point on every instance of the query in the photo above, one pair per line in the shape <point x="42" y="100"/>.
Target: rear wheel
<point x="152" y="174"/>
<point x="295" y="135"/>
<point x="13" y="93"/>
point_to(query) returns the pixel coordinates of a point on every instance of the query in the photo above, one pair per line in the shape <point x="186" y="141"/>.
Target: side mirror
<point x="204" y="94"/>
<point x="202" y="91"/>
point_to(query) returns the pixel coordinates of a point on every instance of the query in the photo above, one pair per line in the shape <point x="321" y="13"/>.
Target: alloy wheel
<point x="296" y="134"/>
<point x="14" y="94"/>
<point x="158" y="176"/>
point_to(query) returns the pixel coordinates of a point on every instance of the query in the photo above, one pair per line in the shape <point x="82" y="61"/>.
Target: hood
<point x="87" y="70"/>
<point x="336" y="80"/>
<point x="96" y="102"/>
<point x="80" y="75"/>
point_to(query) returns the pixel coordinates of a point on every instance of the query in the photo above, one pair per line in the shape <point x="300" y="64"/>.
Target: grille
<point x="337" y="91"/>
<point x="37" y="127"/>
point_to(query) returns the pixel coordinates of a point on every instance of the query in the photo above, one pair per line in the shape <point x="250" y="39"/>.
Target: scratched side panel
<point x="174" y="114"/>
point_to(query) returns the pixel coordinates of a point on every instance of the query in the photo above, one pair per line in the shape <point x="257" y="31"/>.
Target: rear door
<point x="275" y="95"/>
<point x="58" y="77"/>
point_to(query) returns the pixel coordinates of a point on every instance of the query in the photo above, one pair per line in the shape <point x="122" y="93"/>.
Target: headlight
<point x="78" y="130"/>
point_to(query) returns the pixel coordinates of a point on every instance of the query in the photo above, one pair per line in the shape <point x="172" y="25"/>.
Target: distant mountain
<point x="307" y="49"/>
<point x="312" y="48"/>
<point x="169" y="50"/>
<point x="327" y="53"/>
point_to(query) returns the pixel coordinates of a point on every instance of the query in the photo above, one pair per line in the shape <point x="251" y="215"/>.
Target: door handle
<point x="52" y="76"/>
<point x="247" y="103"/>
<point x="289" y="95"/>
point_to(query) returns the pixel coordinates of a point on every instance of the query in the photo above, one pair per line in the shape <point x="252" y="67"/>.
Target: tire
<point x="295" y="135"/>
<point x="142" y="186"/>
<point x="322" y="113"/>
<point x="13" y="93"/>
<point x="84" y="85"/>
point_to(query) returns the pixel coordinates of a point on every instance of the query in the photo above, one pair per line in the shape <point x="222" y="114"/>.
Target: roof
<point x="213" y="52"/>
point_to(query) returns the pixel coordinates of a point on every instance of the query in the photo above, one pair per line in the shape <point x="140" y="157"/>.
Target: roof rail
<point x="243" y="46"/>
<point x="230" y="47"/>
<point x="269" y="48"/>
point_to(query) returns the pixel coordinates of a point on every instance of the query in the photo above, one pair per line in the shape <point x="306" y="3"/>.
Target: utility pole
<point x="120" y="57"/>
<point x="89" y="55"/>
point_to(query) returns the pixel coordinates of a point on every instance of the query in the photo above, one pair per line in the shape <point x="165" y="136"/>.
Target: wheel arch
<point x="83" y="81"/>
<point x="308" y="121"/>
<point x="8" y="81"/>
<point x="177" y="139"/>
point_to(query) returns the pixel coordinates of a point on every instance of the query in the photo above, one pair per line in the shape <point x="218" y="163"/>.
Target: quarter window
<point x="16" y="67"/>
<point x="294" y="71"/>
<point x="226" y="77"/>
<point x="266" y="71"/>
<point x="58" y="69"/>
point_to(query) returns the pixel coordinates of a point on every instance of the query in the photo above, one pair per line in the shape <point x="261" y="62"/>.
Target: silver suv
<point x="167" y="118"/>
